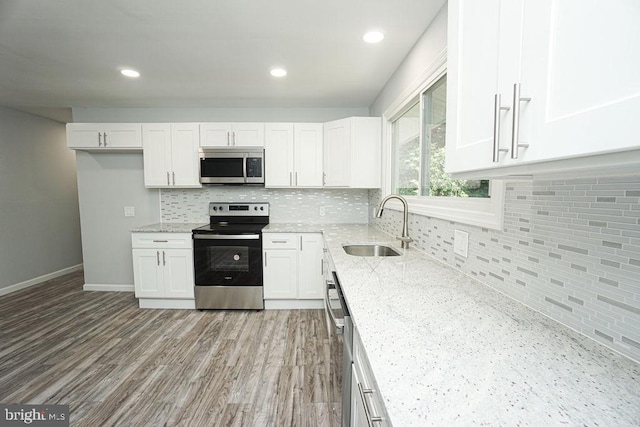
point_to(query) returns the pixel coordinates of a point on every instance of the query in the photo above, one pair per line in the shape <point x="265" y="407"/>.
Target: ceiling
<point x="202" y="53"/>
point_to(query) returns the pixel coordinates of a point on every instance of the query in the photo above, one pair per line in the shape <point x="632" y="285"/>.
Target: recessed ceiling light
<point x="129" y="72"/>
<point x="373" y="37"/>
<point x="278" y="72"/>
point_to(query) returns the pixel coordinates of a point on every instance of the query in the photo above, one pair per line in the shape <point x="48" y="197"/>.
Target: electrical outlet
<point x="461" y="243"/>
<point x="322" y="211"/>
<point x="129" y="211"/>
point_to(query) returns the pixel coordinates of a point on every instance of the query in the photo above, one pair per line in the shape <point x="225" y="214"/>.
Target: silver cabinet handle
<point x="160" y="241"/>
<point x="104" y="135"/>
<point x="290" y="179"/>
<point x="497" y="109"/>
<point x="164" y="259"/>
<point x="296" y="179"/>
<point x="324" y="178"/>
<point x="515" y="130"/>
<point x="279" y="241"/>
<point x="300" y="243"/>
<point x="158" y="257"/>
<point x="99" y="139"/>
<point x="168" y="182"/>
<point x="322" y="267"/>
<point x="367" y="411"/>
<point x="234" y="138"/>
<point x="174" y="177"/>
<point x="265" y="258"/>
<point x="228" y="143"/>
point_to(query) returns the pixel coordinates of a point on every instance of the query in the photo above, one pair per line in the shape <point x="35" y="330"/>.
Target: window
<point x="414" y="152"/>
<point x="419" y="149"/>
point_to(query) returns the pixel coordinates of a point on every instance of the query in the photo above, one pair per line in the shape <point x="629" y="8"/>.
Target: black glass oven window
<point x="221" y="167"/>
<point x="228" y="258"/>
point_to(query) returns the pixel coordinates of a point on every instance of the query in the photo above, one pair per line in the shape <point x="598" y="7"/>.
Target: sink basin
<point x="370" y="250"/>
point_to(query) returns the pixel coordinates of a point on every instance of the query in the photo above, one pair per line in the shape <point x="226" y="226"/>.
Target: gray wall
<point x="106" y="184"/>
<point x="568" y="248"/>
<point x="39" y="221"/>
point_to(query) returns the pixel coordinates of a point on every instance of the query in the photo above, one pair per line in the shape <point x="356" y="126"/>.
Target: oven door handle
<point x="339" y="325"/>
<point x="225" y="237"/>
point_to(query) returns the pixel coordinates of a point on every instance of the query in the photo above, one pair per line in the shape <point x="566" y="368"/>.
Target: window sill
<point x="485" y="213"/>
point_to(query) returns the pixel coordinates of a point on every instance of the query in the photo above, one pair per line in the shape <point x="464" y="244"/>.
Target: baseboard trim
<point x="38" y="280"/>
<point x="107" y="287"/>
<point x="293" y="304"/>
<point x="184" y="304"/>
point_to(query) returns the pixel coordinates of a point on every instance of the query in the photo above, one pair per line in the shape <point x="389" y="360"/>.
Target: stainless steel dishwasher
<point x="340" y="331"/>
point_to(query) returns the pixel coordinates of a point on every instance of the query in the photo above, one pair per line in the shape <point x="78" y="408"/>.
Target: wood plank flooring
<point x="118" y="365"/>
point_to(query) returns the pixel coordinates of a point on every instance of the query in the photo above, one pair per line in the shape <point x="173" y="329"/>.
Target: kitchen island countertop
<point x="448" y="350"/>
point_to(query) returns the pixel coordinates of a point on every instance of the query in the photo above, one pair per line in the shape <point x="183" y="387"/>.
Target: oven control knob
<point x="261" y="208"/>
<point x="220" y="208"/>
<point x="255" y="208"/>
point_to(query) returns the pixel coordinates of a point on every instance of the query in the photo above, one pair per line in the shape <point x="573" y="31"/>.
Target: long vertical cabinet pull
<point x="515" y="130"/>
<point x="174" y="177"/>
<point x="104" y="138"/>
<point x="158" y="257"/>
<point x="497" y="109"/>
<point x="367" y="411"/>
<point x="265" y="259"/>
<point x="99" y="139"/>
<point x="168" y="181"/>
<point x="164" y="259"/>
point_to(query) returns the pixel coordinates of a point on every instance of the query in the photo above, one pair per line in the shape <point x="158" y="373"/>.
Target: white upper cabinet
<point x="214" y="135"/>
<point x="535" y="81"/>
<point x="170" y="155"/>
<point x="104" y="136"/>
<point x="351" y="155"/>
<point x="293" y="154"/>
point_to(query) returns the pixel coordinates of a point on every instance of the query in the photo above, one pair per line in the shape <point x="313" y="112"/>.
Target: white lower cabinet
<point x="367" y="407"/>
<point x="163" y="270"/>
<point x="293" y="272"/>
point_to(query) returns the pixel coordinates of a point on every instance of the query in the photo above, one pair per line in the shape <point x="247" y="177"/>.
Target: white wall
<point x="39" y="221"/>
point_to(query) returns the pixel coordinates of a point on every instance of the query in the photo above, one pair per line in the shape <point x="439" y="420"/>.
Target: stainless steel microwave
<point x="232" y="166"/>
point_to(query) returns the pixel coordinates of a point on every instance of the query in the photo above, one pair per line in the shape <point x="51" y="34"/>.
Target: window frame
<point x="481" y="212"/>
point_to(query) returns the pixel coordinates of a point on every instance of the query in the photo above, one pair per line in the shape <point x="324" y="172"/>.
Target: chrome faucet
<point x="405" y="239"/>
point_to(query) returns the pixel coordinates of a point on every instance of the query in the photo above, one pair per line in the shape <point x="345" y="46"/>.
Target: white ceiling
<point x="197" y="53"/>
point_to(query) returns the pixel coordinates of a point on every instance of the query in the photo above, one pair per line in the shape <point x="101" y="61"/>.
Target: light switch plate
<point x="461" y="243"/>
<point x="322" y="211"/>
<point x="129" y="211"/>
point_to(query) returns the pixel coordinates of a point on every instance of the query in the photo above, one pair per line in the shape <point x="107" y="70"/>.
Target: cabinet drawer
<point x="161" y="240"/>
<point x="280" y="240"/>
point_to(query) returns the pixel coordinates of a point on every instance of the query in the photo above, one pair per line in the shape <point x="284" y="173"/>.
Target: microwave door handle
<point x="244" y="167"/>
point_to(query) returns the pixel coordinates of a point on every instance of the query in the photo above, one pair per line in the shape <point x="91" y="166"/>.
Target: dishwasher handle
<point x="338" y="323"/>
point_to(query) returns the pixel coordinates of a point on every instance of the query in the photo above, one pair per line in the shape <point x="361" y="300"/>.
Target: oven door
<point x="227" y="260"/>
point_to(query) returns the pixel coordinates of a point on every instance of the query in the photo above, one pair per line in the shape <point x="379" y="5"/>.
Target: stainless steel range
<point x="228" y="257"/>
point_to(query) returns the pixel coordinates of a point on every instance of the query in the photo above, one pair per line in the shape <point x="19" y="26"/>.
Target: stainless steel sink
<point x="370" y="250"/>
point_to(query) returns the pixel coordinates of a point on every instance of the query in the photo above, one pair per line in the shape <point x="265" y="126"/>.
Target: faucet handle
<point x="404" y="239"/>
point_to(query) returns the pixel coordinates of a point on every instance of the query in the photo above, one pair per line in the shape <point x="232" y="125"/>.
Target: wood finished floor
<point x="116" y="364"/>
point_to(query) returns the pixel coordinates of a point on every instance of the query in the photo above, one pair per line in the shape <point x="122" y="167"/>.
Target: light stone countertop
<point x="448" y="350"/>
<point x="168" y="227"/>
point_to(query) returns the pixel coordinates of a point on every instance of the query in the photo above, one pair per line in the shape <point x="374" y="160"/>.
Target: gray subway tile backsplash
<point x="568" y="248"/>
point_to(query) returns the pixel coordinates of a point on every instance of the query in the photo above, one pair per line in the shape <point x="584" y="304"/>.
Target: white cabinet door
<point x="307" y="143"/>
<point x="337" y="153"/>
<point x="184" y="155"/>
<point x="104" y="136"/>
<point x="231" y="135"/>
<point x="248" y="135"/>
<point x="578" y="91"/>
<point x="215" y="134"/>
<point x="280" y="274"/>
<point x="170" y="154"/>
<point x="148" y="277"/>
<point x="580" y="66"/>
<point x="278" y="155"/>
<point x="178" y="273"/>
<point x="310" y="268"/>
<point x="352" y="152"/>
<point x="157" y="154"/>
